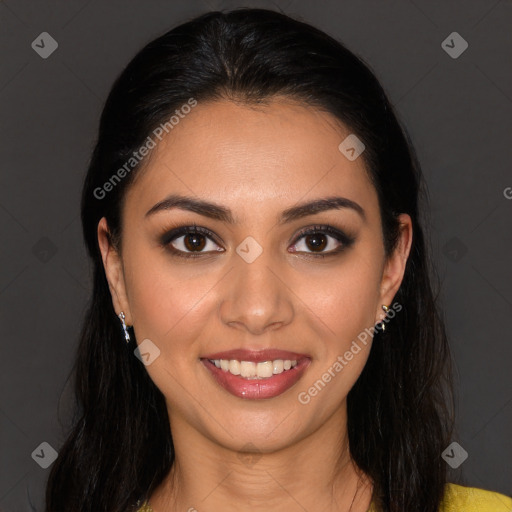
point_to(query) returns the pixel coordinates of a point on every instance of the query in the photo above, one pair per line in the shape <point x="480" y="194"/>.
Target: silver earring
<point x="126" y="335"/>
<point x="382" y="324"/>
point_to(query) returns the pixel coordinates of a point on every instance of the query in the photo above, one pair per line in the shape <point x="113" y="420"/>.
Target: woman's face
<point x="255" y="283"/>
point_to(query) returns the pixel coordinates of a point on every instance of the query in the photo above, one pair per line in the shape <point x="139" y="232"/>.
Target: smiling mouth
<point x="256" y="380"/>
<point x="254" y="371"/>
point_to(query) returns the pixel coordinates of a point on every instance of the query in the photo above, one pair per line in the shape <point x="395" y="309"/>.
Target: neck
<point x="316" y="473"/>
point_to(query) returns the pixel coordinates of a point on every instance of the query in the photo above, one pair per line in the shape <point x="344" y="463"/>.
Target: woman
<point x="263" y="331"/>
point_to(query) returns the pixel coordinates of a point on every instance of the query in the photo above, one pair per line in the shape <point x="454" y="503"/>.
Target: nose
<point x="257" y="297"/>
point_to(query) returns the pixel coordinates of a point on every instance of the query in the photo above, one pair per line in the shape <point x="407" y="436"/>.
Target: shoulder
<point x="145" y="507"/>
<point x="459" y="498"/>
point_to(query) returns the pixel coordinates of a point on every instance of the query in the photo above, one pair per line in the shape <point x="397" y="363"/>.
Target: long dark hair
<point x="400" y="411"/>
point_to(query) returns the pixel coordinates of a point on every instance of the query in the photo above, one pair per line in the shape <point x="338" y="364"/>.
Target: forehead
<point x="279" y="153"/>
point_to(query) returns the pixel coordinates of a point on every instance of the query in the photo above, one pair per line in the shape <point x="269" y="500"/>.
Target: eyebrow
<point x="223" y="214"/>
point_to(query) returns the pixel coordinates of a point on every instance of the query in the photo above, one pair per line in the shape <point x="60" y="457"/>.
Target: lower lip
<point x="255" y="389"/>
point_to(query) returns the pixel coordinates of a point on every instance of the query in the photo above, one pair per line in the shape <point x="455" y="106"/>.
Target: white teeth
<point x="265" y="369"/>
<point x="278" y="366"/>
<point x="251" y="370"/>
<point x="234" y="367"/>
<point x="248" y="369"/>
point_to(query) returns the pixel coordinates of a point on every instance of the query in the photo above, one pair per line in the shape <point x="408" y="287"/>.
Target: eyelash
<point x="170" y="236"/>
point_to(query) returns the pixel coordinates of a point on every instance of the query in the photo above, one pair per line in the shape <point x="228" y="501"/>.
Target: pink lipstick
<point x="256" y="374"/>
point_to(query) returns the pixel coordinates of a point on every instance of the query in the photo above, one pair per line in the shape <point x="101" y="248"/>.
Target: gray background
<point x="458" y="112"/>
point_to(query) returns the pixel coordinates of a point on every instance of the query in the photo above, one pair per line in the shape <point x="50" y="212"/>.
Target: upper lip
<point x="257" y="356"/>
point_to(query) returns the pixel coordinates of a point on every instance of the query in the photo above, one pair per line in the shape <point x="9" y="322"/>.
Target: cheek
<point x="342" y="303"/>
<point x="340" y="312"/>
<point x="167" y="307"/>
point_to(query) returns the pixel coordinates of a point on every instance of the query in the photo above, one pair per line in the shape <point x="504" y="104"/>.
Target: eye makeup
<point x="170" y="235"/>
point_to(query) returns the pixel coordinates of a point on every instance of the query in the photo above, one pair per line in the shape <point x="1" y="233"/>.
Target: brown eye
<point x="316" y="239"/>
<point x="190" y="242"/>
<point x="316" y="242"/>
<point x="194" y="242"/>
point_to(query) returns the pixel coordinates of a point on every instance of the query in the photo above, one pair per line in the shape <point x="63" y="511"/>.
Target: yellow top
<point x="457" y="499"/>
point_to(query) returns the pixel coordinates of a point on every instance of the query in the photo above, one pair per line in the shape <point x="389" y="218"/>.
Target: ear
<point x="394" y="268"/>
<point x="114" y="272"/>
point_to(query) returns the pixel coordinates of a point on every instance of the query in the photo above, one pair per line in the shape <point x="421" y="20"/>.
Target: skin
<point x="257" y="162"/>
